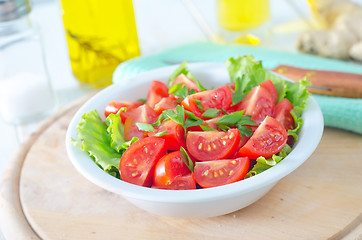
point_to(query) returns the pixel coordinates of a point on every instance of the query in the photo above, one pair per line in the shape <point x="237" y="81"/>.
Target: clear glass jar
<point x="26" y="93"/>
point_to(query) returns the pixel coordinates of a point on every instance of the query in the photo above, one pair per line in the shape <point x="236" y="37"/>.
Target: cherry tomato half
<point x="221" y="172"/>
<point x="269" y="86"/>
<point x="269" y="138"/>
<point x="212" y="145"/>
<point x="142" y="114"/>
<point x="138" y="161"/>
<point x="157" y="91"/>
<point x="182" y="78"/>
<point x="258" y="103"/>
<point x="114" y="106"/>
<point x="175" y="136"/>
<point x="216" y="98"/>
<point x="171" y="172"/>
<point x="242" y="142"/>
<point x="282" y="114"/>
<point x="166" y="103"/>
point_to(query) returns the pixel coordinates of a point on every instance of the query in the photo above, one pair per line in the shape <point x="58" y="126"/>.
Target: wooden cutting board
<point x="43" y="196"/>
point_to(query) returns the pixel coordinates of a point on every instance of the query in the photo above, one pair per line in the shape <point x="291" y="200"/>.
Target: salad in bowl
<point x="180" y="137"/>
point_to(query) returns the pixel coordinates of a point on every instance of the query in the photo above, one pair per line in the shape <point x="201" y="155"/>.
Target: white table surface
<point x="160" y="24"/>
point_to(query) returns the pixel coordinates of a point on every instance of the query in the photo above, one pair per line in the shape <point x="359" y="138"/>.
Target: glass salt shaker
<point x="26" y="93"/>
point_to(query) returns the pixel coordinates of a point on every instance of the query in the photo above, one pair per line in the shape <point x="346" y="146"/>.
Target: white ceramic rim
<point x="308" y="140"/>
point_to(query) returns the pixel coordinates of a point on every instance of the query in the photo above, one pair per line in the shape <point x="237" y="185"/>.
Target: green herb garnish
<point x="211" y="113"/>
<point x="186" y="159"/>
<point x="239" y="120"/>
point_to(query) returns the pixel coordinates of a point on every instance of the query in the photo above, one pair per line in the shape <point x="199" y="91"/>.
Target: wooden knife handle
<point x="340" y="84"/>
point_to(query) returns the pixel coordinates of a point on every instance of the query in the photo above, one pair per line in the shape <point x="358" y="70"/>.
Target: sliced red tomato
<point x="242" y="142"/>
<point x="269" y="86"/>
<point x="166" y="103"/>
<point x="216" y="98"/>
<point x="175" y="136"/>
<point x="157" y="91"/>
<point x="258" y="103"/>
<point x="138" y="161"/>
<point x="282" y="114"/>
<point x="221" y="172"/>
<point x="186" y="182"/>
<point x="114" y="106"/>
<point x="190" y="84"/>
<point x="171" y="172"/>
<point x="212" y="145"/>
<point x="142" y="114"/>
<point x="269" y="138"/>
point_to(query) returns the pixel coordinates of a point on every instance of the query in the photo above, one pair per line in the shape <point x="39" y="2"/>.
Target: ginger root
<point x="342" y="38"/>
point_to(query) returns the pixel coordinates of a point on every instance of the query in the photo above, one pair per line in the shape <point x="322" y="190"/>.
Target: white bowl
<point x="190" y="203"/>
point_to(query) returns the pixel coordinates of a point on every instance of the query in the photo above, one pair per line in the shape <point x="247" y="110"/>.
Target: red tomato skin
<point x="258" y="103"/>
<point x="242" y="142"/>
<point x="166" y="103"/>
<point x="269" y="138"/>
<point x="212" y="145"/>
<point x="269" y="86"/>
<point x="157" y="91"/>
<point x="138" y="161"/>
<point x="282" y="114"/>
<point x="185" y="182"/>
<point x="216" y="98"/>
<point x="221" y="172"/>
<point x="142" y="114"/>
<point x="167" y="169"/>
<point x="114" y="106"/>
<point x="175" y="138"/>
<point x="182" y="78"/>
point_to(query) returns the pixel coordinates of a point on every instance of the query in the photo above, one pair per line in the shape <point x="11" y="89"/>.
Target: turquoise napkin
<point x="338" y="112"/>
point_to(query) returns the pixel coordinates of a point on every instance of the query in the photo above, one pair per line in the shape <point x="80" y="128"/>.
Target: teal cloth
<point x="338" y="112"/>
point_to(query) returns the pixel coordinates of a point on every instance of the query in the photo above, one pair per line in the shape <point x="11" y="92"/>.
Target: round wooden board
<point x="320" y="200"/>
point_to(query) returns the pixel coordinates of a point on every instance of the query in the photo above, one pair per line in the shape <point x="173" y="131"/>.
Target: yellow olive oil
<point x="100" y="35"/>
<point x="241" y="15"/>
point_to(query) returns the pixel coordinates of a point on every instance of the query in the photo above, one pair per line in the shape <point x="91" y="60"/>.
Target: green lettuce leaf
<point x="298" y="94"/>
<point x="252" y="74"/>
<point x="263" y="164"/>
<point x="298" y="124"/>
<point x="116" y="134"/>
<point x="94" y="139"/>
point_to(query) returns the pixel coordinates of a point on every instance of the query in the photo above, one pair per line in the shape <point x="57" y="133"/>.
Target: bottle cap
<point x="13" y="9"/>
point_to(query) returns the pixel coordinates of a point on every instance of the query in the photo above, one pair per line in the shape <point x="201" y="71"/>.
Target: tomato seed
<point x="200" y="146"/>
<point x="231" y="135"/>
<point x="231" y="172"/>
